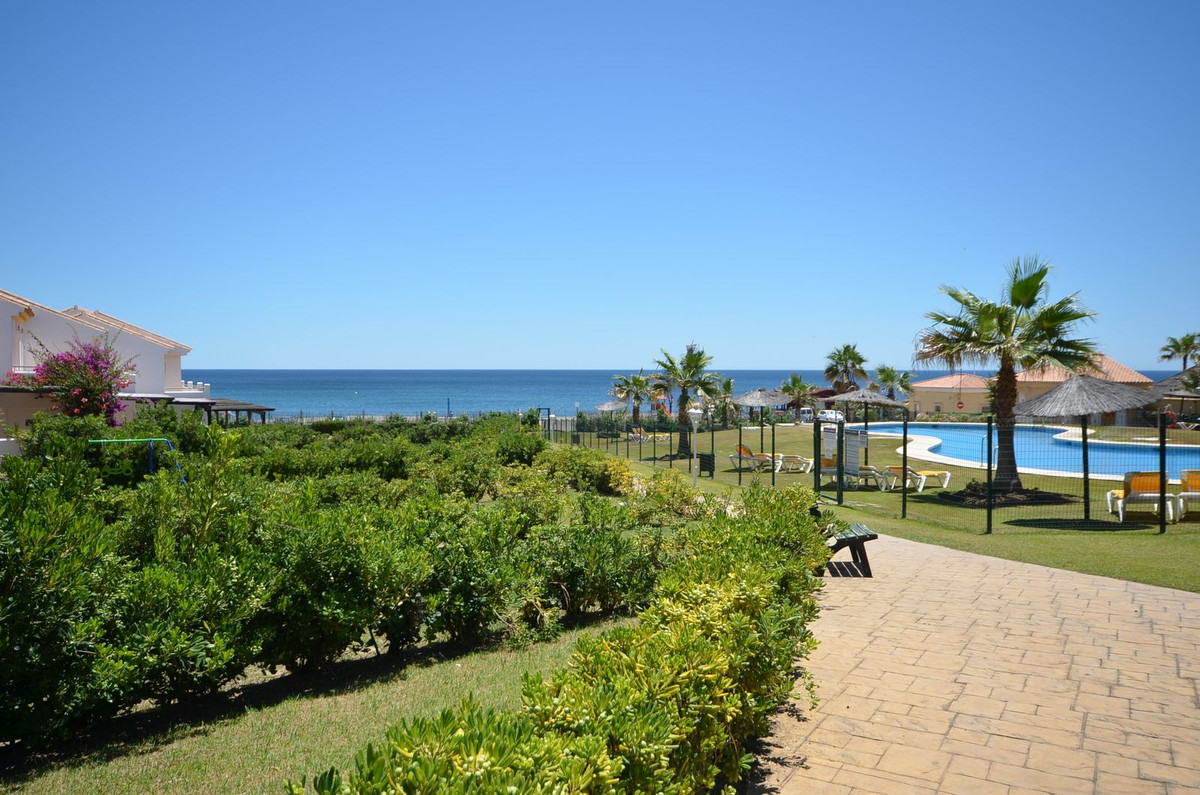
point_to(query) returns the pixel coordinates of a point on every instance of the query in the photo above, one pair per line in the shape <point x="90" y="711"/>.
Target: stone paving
<point x="954" y="672"/>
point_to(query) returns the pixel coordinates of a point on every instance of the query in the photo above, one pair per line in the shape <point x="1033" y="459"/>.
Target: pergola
<point x="224" y="407"/>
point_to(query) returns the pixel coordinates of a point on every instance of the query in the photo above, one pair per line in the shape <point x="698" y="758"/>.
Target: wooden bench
<point x="856" y="537"/>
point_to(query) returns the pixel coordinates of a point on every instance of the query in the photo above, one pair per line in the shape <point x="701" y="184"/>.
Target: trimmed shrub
<point x="472" y="750"/>
<point x="519" y="447"/>
<point x="317" y="601"/>
<point x="666" y="706"/>
<point x="58" y="577"/>
<point x="587" y="470"/>
<point x="471" y="574"/>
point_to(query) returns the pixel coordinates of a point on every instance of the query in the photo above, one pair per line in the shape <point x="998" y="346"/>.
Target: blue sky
<point x="558" y="185"/>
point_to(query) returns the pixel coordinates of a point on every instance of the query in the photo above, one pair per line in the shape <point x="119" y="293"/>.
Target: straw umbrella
<point x="867" y="397"/>
<point x="1080" y="396"/>
<point x="610" y="406"/>
<point x="761" y="398"/>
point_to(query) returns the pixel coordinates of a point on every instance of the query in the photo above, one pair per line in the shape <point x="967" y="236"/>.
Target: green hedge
<point x="164" y="588"/>
<point x="665" y="706"/>
<point x="168" y="588"/>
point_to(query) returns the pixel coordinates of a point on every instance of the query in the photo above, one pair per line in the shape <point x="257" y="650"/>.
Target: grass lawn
<point x="284" y="728"/>
<point x="1046" y="535"/>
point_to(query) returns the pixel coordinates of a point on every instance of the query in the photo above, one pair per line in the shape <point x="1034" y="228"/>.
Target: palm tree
<point x="891" y="379"/>
<point x="1181" y="348"/>
<point x="801" y="394"/>
<point x="725" y="400"/>
<point x="1023" y="329"/>
<point x="690" y="375"/>
<point x="639" y="388"/>
<point x="845" y="368"/>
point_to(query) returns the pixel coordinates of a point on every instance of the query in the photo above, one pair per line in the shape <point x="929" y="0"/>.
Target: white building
<point x="157" y="360"/>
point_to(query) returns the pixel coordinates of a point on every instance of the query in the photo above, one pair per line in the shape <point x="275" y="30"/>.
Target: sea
<point x="352" y="393"/>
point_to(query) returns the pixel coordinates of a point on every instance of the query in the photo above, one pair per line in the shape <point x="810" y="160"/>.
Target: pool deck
<point x="954" y="672"/>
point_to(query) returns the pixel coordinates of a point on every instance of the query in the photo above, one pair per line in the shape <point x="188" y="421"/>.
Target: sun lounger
<point x="1190" y="495"/>
<point x="867" y="475"/>
<point x="794" y="463"/>
<point x="639" y="436"/>
<point x="742" y="457"/>
<point x="914" y="476"/>
<point x="1141" y="490"/>
<point x="853" y="476"/>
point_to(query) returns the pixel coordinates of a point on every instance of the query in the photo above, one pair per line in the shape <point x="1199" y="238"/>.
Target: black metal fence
<point x="1080" y="473"/>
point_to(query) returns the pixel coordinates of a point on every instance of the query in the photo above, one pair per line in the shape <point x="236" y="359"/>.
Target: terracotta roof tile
<point x="1104" y="367"/>
<point x="964" y="382"/>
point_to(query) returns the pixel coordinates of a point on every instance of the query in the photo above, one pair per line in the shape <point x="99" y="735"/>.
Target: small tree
<point x="801" y="394"/>
<point x="691" y="376"/>
<point x="639" y="388"/>
<point x="724" y="400"/>
<point x="84" y="380"/>
<point x="845" y="368"/>
<point x="1182" y="348"/>
<point x="1024" y="328"/>
<point x="891" y="379"/>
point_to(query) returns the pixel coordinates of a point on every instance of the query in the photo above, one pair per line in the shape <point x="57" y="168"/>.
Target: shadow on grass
<point x="1083" y="525"/>
<point x="129" y="733"/>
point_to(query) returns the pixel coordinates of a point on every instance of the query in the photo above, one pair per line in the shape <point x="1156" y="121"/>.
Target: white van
<point x="831" y="415"/>
<point x="806" y="414"/>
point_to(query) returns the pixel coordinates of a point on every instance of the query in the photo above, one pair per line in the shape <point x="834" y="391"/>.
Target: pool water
<point x="1037" y="448"/>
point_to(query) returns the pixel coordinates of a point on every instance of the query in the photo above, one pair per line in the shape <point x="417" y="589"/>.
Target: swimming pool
<point x="1044" y="449"/>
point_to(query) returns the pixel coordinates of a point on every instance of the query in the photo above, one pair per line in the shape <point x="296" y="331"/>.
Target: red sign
<point x="960" y="404"/>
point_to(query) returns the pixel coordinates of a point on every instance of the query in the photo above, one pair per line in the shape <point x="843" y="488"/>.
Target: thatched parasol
<point x="866" y="396"/>
<point x="1080" y="396"/>
<point x="612" y="405"/>
<point x="760" y="399"/>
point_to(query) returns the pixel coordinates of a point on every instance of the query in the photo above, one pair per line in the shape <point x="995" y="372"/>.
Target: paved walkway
<point x="954" y="672"/>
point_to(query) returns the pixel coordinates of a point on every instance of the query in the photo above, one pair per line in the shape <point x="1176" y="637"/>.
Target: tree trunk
<point x="1006" y="478"/>
<point x="684" y="448"/>
<point x="637" y="413"/>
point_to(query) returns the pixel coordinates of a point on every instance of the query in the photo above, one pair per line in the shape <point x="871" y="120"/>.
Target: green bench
<point x="856" y="537"/>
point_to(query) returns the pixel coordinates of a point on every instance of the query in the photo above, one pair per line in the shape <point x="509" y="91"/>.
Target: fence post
<point x="990" y="500"/>
<point x="841" y="458"/>
<point x="817" y="456"/>
<point x="1162" y="473"/>
<point x="1087" y="489"/>
<point x="775" y="466"/>
<point x="903" y="477"/>
<point x="741" y="463"/>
